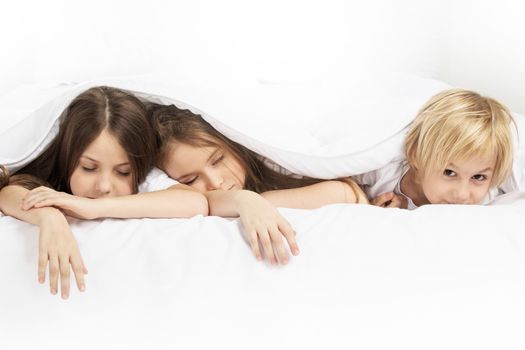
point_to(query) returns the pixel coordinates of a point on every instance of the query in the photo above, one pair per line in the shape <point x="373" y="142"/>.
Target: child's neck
<point x="411" y="187"/>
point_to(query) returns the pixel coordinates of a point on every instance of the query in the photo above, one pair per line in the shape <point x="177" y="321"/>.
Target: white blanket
<point x="439" y="277"/>
<point x="307" y="128"/>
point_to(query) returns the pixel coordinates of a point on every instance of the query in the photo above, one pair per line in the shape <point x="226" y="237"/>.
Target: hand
<point x="58" y="247"/>
<point x="79" y="207"/>
<point x="263" y="223"/>
<point x="390" y="200"/>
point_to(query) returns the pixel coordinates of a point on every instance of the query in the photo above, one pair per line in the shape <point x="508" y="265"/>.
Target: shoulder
<point x="383" y="179"/>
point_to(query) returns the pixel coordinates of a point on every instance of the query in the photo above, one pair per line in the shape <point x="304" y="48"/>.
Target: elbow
<point x="201" y="206"/>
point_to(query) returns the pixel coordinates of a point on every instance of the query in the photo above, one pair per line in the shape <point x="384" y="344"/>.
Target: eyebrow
<point x="477" y="172"/>
<point x="191" y="173"/>
<point x="96" y="161"/>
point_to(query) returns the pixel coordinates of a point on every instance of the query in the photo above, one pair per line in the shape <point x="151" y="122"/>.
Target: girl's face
<point x="462" y="182"/>
<point x="204" y="168"/>
<point x="103" y="170"/>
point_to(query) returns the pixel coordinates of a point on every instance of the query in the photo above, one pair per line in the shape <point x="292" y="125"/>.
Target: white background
<point x="472" y="44"/>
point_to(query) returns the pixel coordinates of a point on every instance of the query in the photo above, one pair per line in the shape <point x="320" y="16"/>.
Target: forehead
<point x="184" y="159"/>
<point x="106" y="148"/>
<point x="474" y="164"/>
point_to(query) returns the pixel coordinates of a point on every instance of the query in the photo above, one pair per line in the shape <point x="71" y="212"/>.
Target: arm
<point x="260" y="219"/>
<point x="315" y="196"/>
<point x="177" y="201"/>
<point x="57" y="246"/>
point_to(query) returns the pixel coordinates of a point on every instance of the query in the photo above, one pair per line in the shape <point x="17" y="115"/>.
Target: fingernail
<point x="65" y="296"/>
<point x="82" y="287"/>
<point x="285" y="261"/>
<point x="53" y="291"/>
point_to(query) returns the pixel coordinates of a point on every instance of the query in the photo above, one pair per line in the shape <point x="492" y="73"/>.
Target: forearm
<point x="313" y="196"/>
<point x="228" y="203"/>
<point x="11" y="201"/>
<point x="176" y="202"/>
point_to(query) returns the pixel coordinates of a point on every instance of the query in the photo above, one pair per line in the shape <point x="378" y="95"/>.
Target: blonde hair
<point x="459" y="124"/>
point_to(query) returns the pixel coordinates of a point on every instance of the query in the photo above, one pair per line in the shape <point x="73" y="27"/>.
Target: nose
<point x="461" y="194"/>
<point x="214" y="182"/>
<point x="104" y="185"/>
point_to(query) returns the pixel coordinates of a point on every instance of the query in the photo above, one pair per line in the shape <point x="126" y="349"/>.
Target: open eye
<point x="479" y="177"/>
<point x="449" y="173"/>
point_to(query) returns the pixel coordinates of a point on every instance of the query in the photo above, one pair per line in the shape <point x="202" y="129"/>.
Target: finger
<point x="289" y="234"/>
<point x="46" y="202"/>
<point x="254" y="244"/>
<point x="78" y="269"/>
<point x="32" y="193"/>
<point x="395" y="202"/>
<point x="277" y="243"/>
<point x="64" y="276"/>
<point x="53" y="273"/>
<point x="28" y="201"/>
<point x="266" y="243"/>
<point x="32" y="200"/>
<point x="43" y="258"/>
<point x="382" y="199"/>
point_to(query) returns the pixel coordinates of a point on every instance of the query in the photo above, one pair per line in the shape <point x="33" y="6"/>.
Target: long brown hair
<point x="172" y="123"/>
<point x="94" y="110"/>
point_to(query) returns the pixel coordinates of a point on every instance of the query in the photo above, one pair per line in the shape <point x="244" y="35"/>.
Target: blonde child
<point x="240" y="182"/>
<point x="458" y="150"/>
<point x="104" y="149"/>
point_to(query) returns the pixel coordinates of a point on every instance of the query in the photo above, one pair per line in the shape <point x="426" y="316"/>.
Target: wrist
<point x="48" y="214"/>
<point x="242" y="198"/>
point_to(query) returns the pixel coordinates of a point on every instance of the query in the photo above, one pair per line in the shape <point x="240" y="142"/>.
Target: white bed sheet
<point x="439" y="277"/>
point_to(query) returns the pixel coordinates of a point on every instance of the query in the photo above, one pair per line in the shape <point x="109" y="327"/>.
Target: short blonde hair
<point x="459" y="124"/>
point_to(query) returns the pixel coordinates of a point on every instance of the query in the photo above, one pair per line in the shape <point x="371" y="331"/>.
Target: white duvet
<point x="439" y="277"/>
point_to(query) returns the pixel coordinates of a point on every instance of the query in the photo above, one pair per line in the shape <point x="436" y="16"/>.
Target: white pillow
<point x="307" y="128"/>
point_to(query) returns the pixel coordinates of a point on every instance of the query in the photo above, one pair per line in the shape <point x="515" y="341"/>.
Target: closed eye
<point x="189" y="182"/>
<point x="88" y="169"/>
<point x="218" y="160"/>
<point x="123" y="173"/>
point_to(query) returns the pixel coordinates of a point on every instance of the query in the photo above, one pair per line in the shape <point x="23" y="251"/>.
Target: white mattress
<point x="440" y="277"/>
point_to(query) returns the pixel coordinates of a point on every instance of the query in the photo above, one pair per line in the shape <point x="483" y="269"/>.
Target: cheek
<point x="238" y="172"/>
<point x="200" y="186"/>
<point x="79" y="184"/>
<point x="124" y="186"/>
<point x="480" y="193"/>
<point x="433" y="187"/>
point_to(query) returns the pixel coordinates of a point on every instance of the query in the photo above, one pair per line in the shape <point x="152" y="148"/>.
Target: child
<point x="103" y="150"/>
<point x="458" y="151"/>
<point x="239" y="182"/>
